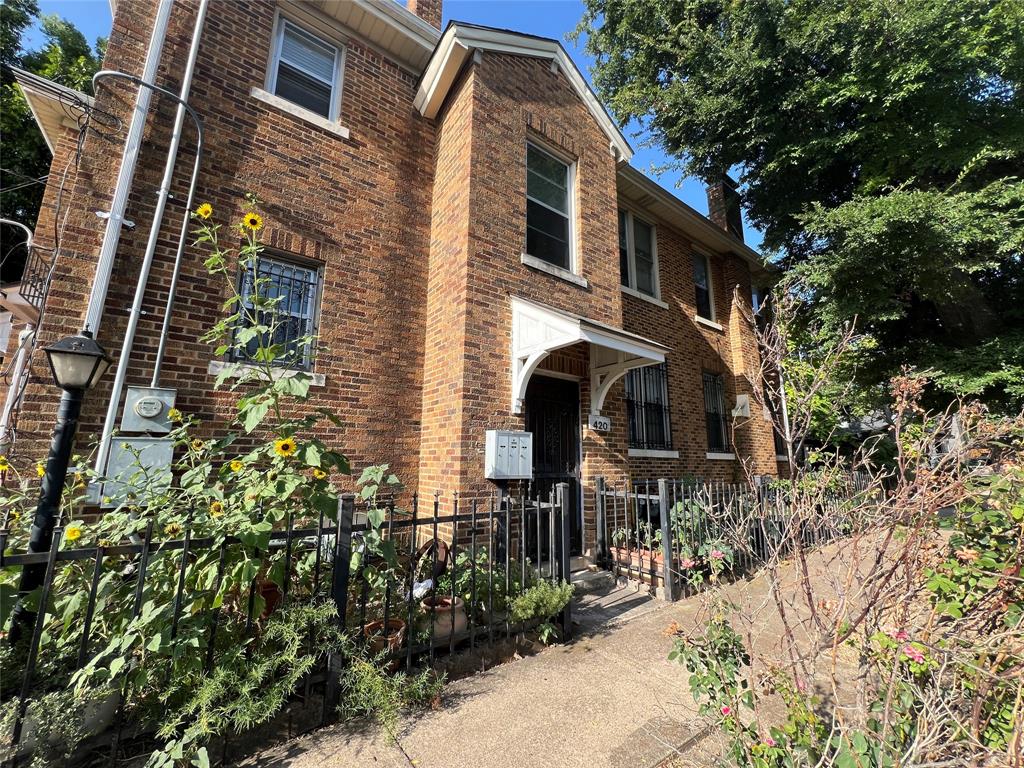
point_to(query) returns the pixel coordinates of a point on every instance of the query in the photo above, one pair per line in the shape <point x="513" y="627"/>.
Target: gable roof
<point x="457" y="45"/>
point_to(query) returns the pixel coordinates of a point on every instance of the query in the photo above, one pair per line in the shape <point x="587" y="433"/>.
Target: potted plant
<point x="444" y="617"/>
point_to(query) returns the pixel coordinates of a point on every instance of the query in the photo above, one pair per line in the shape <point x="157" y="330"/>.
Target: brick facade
<point x="418" y="226"/>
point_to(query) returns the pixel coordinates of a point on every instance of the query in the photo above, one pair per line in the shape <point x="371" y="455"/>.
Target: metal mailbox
<point x="508" y="455"/>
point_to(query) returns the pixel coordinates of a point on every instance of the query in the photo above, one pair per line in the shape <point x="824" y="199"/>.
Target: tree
<point x="66" y="58"/>
<point x="879" y="146"/>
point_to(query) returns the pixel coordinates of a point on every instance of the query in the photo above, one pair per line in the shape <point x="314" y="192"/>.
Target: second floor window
<point x="702" y="286"/>
<point x="282" y="296"/>
<point x="306" y="70"/>
<point x="647" y="408"/>
<point x="637" y="262"/>
<point x="716" y="417"/>
<point x="548" y="208"/>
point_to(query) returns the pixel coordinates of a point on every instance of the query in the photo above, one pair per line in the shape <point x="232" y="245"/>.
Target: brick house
<point x="455" y="214"/>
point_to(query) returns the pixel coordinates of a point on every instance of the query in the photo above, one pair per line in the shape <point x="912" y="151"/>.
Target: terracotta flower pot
<point x="441" y="612"/>
<point x="381" y="639"/>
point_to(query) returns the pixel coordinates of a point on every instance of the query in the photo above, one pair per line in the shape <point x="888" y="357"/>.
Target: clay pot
<point x="441" y="610"/>
<point x="381" y="639"/>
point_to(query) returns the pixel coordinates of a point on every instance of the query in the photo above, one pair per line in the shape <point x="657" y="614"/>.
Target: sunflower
<point x="236" y="465"/>
<point x="14" y="517"/>
<point x="106" y="543"/>
<point x="285" y="446"/>
<point x="174" y="414"/>
<point x="252" y="221"/>
<point x="204" y="211"/>
<point x="319" y="474"/>
<point x="40" y="469"/>
<point x="4" y="464"/>
<point x="197" y="444"/>
<point x="73" y="532"/>
<point x="216" y="509"/>
<point x="172" y="529"/>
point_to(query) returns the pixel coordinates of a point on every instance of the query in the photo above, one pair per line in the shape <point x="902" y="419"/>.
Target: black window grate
<point x="294" y="289"/>
<point x="647" y="407"/>
<point x="715" y="415"/>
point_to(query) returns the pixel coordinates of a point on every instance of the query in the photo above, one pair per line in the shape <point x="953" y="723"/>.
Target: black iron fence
<point x="679" y="537"/>
<point x="455" y="571"/>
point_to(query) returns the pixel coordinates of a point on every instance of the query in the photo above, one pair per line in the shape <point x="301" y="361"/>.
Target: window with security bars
<point x="306" y="70"/>
<point x="715" y="415"/>
<point x="283" y="296"/>
<point x="647" y="408"/>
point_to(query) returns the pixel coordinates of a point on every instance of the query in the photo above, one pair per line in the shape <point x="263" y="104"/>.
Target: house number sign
<point x="600" y="423"/>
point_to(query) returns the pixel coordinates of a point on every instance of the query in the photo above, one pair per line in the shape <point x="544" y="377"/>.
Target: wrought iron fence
<point x="460" y="567"/>
<point x="679" y="536"/>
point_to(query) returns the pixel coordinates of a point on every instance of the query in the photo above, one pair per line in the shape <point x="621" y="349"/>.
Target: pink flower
<point x="769" y="741"/>
<point x="913" y="653"/>
<point x="801" y="685"/>
<point x="726" y="710"/>
<point x="717" y="554"/>
<point x="687" y="563"/>
<point x="902" y="636"/>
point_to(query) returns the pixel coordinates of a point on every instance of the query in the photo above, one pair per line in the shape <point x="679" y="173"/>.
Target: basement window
<point x="548" y="208"/>
<point x="283" y="296"/>
<point x="306" y="70"/>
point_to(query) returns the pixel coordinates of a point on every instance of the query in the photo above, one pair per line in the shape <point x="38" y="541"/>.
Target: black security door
<point x="553" y="416"/>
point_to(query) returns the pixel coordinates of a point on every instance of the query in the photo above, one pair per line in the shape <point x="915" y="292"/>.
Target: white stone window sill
<point x="564" y="274"/>
<point x="300" y="112"/>
<point x="720" y="456"/>
<point x="708" y="323"/>
<point x="779" y="457"/>
<point x="641" y="295"/>
<point x="237" y="369"/>
<point x="651" y="453"/>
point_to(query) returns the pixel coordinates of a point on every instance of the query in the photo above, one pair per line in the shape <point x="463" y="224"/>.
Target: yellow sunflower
<point x="319" y="474"/>
<point x="197" y="444"/>
<point x="236" y="466"/>
<point x="174" y="414"/>
<point x="216" y="509"/>
<point x="14" y="517"/>
<point x="73" y="532"/>
<point x="40" y="470"/>
<point x="285" y="446"/>
<point x="106" y="543"/>
<point x="172" y="529"/>
<point x="253" y="221"/>
<point x="4" y="464"/>
<point x="204" y="211"/>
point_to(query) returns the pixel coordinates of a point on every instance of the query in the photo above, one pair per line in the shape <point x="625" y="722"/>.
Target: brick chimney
<point x="428" y="10"/>
<point x="724" y="206"/>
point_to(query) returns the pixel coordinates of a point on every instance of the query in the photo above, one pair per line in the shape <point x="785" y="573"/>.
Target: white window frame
<point x="570" y="188"/>
<point x="711" y="288"/>
<point x="280" y="21"/>
<point x="632" y="284"/>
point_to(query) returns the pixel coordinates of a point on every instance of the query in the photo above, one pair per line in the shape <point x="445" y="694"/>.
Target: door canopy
<point x="538" y="330"/>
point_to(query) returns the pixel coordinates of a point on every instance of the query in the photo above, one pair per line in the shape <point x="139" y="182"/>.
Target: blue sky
<point x="548" y="18"/>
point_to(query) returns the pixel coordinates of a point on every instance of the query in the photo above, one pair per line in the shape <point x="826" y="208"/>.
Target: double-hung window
<point x="637" y="261"/>
<point x="702" y="285"/>
<point x="647" y="408"/>
<point x="281" y="296"/>
<point x="715" y="416"/>
<point x="548" y="208"/>
<point x="306" y="70"/>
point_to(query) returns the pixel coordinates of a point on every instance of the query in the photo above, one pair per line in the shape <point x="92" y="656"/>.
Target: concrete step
<point x="593" y="581"/>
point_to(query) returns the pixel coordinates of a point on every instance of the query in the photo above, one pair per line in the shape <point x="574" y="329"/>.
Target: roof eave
<point x="55" y="107"/>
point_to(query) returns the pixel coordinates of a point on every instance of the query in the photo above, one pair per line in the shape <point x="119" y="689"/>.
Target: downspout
<point x="126" y="174"/>
<point x="103" y="453"/>
<point x="25" y="341"/>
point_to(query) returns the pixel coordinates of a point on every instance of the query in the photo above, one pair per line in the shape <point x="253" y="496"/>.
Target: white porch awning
<point x="538" y="330"/>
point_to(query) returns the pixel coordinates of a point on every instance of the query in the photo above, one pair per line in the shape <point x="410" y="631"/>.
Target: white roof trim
<point x="460" y="40"/>
<point x="538" y="330"/>
<point x="54" y="106"/>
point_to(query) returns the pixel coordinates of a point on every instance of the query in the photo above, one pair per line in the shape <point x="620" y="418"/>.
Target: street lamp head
<point x="77" y="362"/>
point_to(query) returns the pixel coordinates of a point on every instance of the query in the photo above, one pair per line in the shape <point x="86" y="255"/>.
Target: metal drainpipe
<point x="103" y="453"/>
<point x="26" y="340"/>
<point x="126" y="174"/>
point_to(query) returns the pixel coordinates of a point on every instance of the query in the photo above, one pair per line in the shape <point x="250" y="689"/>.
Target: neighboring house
<point x="454" y="215"/>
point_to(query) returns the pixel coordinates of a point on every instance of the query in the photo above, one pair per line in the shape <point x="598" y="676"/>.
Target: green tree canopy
<point x="879" y="145"/>
<point x="66" y="58"/>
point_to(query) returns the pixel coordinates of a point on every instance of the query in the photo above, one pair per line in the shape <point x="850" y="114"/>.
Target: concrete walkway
<point x="609" y="699"/>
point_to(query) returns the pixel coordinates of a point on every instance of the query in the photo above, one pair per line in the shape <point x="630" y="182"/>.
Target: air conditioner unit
<point x="742" y="408"/>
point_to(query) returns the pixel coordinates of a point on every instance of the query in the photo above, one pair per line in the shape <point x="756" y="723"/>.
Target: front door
<point x="553" y="416"/>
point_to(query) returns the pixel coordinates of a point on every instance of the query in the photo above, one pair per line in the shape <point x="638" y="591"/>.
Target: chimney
<point x="428" y="10"/>
<point x="724" y="206"/>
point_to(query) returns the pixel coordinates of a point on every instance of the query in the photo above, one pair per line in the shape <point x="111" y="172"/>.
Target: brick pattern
<point x="428" y="10"/>
<point x="419" y="227"/>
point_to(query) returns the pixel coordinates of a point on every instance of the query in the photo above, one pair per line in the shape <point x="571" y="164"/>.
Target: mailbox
<point x="508" y="455"/>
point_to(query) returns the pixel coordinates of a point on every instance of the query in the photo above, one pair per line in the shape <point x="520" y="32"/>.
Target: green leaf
<point x="254" y="414"/>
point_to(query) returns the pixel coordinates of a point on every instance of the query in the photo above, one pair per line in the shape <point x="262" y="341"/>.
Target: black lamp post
<point x="77" y="363"/>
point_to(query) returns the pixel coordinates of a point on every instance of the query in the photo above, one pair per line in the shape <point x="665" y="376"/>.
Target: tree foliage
<point x="879" y="145"/>
<point x="66" y="58"/>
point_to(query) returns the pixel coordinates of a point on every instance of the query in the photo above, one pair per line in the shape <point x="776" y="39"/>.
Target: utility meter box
<point x="508" y="455"/>
<point x="146" y="410"/>
<point x="137" y="466"/>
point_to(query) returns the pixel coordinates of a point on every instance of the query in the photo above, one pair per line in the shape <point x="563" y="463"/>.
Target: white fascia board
<point x="397" y="15"/>
<point x="455" y="46"/>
